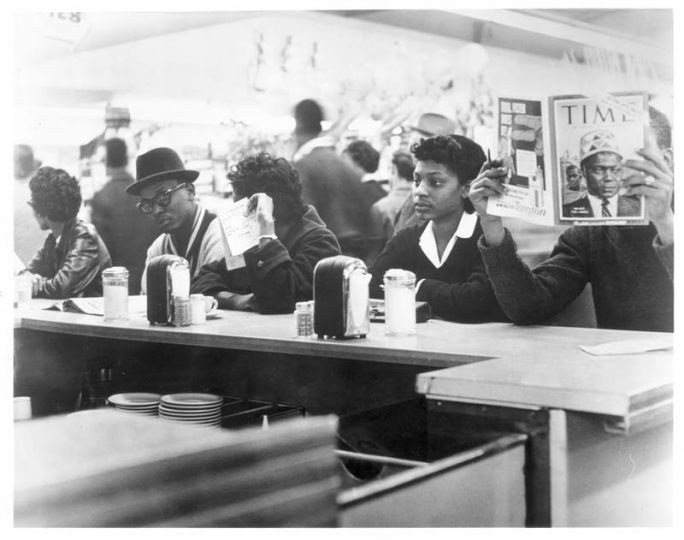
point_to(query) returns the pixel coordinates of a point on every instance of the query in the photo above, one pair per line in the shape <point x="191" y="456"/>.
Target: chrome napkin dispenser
<point x="341" y="299"/>
<point x="167" y="276"/>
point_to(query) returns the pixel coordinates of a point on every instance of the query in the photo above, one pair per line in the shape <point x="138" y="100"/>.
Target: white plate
<point x="133" y="399"/>
<point x="213" y="314"/>
<point x="191" y="400"/>
<point x="173" y="412"/>
<point x="191" y="417"/>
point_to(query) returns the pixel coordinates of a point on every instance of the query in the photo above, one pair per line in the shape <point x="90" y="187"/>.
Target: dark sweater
<point x="457" y="291"/>
<point x="278" y="274"/>
<point x="631" y="277"/>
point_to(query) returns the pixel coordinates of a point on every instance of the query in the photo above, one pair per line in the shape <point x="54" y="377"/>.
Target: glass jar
<point x="115" y="292"/>
<point x="400" y="302"/>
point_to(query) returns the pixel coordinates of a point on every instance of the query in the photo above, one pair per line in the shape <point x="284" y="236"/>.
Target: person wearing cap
<point x="601" y="163"/>
<point x="330" y="184"/>
<point x="428" y="125"/>
<point x="630" y="268"/>
<point x="72" y="259"/>
<point x="278" y="271"/>
<point x="126" y="232"/>
<point x="442" y="252"/>
<point x="167" y="194"/>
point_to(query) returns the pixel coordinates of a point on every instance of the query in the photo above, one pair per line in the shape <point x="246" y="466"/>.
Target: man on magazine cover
<point x="601" y="164"/>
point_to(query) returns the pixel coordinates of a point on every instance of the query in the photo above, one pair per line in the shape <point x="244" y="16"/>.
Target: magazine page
<point x="520" y="136"/>
<point x="240" y="231"/>
<point x="592" y="137"/>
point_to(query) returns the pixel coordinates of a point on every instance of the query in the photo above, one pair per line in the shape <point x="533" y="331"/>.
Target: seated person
<point x="71" y="261"/>
<point x="167" y="196"/>
<point x="630" y="267"/>
<point x="293" y="238"/>
<point x="442" y="252"/>
<point x="366" y="159"/>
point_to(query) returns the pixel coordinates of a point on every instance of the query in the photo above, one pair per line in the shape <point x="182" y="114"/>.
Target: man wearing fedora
<point x="601" y="163"/>
<point x="428" y="125"/>
<point x="167" y="194"/>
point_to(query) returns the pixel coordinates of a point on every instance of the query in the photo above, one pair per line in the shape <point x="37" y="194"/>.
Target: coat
<point x="73" y="266"/>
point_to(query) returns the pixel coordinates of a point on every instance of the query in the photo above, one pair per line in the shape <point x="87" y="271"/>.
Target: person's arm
<point x="469" y="301"/>
<point x="280" y="278"/>
<point x="532" y="296"/>
<point x="80" y="268"/>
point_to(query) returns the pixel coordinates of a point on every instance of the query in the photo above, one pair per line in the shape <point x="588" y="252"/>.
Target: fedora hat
<point x="432" y="124"/>
<point x="159" y="164"/>
<point x="598" y="141"/>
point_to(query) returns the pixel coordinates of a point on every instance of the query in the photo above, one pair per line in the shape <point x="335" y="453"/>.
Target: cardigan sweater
<point x="631" y="275"/>
<point x="457" y="291"/>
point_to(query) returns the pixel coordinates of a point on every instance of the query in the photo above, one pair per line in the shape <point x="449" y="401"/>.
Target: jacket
<point x="631" y="274"/>
<point x="278" y="274"/>
<point x="456" y="291"/>
<point x="73" y="266"/>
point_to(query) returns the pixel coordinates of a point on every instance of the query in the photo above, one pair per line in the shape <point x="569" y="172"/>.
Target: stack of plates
<point x="200" y="409"/>
<point x="136" y="402"/>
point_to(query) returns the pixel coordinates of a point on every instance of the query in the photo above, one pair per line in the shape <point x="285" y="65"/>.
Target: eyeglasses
<point x="161" y="199"/>
<point x="598" y="170"/>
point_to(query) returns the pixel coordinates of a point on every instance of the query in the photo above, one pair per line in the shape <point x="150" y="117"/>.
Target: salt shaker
<point x="400" y="302"/>
<point x="115" y="292"/>
<point x="304" y="319"/>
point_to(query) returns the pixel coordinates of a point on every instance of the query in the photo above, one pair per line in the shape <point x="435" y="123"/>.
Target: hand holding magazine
<point x="584" y="178"/>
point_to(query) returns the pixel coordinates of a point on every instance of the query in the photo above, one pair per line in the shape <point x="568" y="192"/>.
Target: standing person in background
<point x="330" y="184"/>
<point x="428" y="125"/>
<point x="28" y="238"/>
<point x="366" y="159"/>
<point x="630" y="268"/>
<point x="71" y="261"/>
<point x="385" y="210"/>
<point x="125" y="231"/>
<point x="167" y="194"/>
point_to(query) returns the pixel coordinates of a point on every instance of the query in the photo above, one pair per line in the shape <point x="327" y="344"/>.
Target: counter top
<point x="437" y="344"/>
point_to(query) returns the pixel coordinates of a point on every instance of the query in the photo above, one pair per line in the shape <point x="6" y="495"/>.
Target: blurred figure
<point x="125" y="231"/>
<point x="385" y="210"/>
<point x="366" y="159"/>
<point x="71" y="261"/>
<point x="330" y="184"/>
<point x="167" y="195"/>
<point x="278" y="272"/>
<point x="428" y="125"/>
<point x="28" y="238"/>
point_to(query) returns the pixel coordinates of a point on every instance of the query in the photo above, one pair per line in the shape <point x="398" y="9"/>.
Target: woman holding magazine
<point x="278" y="271"/>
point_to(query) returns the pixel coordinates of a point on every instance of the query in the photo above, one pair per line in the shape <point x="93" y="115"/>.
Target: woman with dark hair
<point x="442" y="251"/>
<point x="71" y="261"/>
<point x="278" y="272"/>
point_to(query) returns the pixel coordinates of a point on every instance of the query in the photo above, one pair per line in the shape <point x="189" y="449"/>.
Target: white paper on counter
<point x="633" y="346"/>
<point x="240" y="229"/>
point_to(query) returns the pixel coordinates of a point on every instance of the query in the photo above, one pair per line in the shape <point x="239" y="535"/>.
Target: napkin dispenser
<point x="341" y="299"/>
<point x="167" y="276"/>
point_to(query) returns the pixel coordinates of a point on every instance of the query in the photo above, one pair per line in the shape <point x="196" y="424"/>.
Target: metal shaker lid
<point x="399" y="276"/>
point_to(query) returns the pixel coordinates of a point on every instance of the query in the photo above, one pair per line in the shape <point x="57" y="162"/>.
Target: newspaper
<point x="240" y="232"/>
